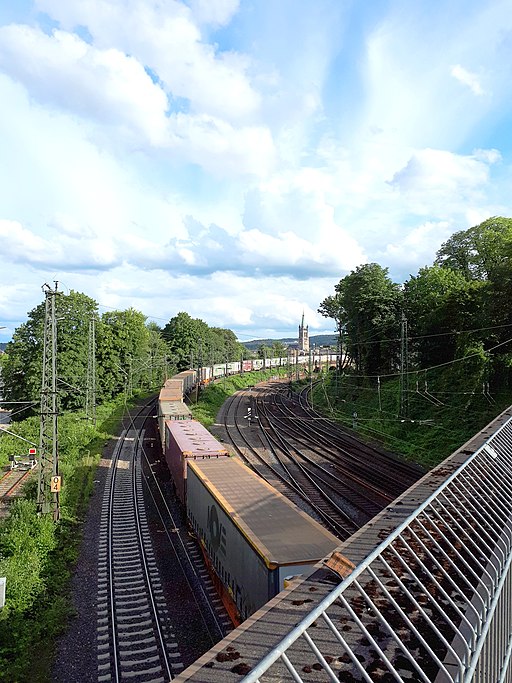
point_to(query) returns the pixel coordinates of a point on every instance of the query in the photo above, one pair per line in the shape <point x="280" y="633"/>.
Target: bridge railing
<point x="432" y="602"/>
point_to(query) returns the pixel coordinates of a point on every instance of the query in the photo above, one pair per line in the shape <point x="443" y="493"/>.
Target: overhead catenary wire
<point x="434" y="367"/>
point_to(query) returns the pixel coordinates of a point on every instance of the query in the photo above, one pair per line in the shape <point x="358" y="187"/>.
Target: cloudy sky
<point x="235" y="158"/>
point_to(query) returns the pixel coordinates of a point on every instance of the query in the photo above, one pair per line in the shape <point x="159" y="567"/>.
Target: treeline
<point x="130" y="353"/>
<point x="193" y="343"/>
<point x="457" y="310"/>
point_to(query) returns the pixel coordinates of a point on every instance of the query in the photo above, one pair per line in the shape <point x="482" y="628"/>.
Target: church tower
<point x="303" y="337"/>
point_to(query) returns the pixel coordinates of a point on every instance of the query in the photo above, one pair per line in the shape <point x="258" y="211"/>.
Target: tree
<point x="439" y="304"/>
<point x="367" y="306"/>
<point x="122" y="351"/>
<point x="23" y="367"/>
<point x="225" y="345"/>
<point x="278" y="349"/>
<point x="187" y="339"/>
<point x="480" y="252"/>
<point x="332" y="307"/>
<point x="264" y="351"/>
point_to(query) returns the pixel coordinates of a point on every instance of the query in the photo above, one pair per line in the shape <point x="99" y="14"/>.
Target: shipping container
<point x="234" y="367"/>
<point x="171" y="410"/>
<point x="254" y="537"/>
<point x="189" y="379"/>
<point x="206" y="374"/>
<point x="172" y="391"/>
<point x="188" y="440"/>
<point x="219" y="371"/>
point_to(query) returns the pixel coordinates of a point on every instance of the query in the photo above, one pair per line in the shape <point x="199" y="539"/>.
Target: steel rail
<point x="289" y="482"/>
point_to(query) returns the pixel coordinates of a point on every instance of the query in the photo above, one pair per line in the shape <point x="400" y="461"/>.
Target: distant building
<point x="303" y="343"/>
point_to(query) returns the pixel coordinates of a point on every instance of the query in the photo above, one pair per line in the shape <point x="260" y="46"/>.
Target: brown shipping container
<point x="174" y="387"/>
<point x="255" y="538"/>
<point x="174" y="393"/>
<point x="184" y="440"/>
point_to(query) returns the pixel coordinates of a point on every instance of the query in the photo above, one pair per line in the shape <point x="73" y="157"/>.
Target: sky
<point x="235" y="159"/>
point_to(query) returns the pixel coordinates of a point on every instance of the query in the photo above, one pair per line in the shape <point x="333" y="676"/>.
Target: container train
<point x="171" y="405"/>
<point x="253" y="538"/>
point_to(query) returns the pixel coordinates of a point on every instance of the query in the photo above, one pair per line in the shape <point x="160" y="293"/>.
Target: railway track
<point x="11" y="484"/>
<point x="367" y="469"/>
<point x="135" y="638"/>
<point x="12" y="481"/>
<point x="360" y="495"/>
<point x="138" y="612"/>
<point x="264" y="460"/>
<point x="329" y="474"/>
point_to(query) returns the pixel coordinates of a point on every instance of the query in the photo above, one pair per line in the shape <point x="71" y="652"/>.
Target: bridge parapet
<point x="433" y="601"/>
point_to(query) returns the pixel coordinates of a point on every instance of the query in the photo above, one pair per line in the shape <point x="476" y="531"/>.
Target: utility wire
<point x="434" y="367"/>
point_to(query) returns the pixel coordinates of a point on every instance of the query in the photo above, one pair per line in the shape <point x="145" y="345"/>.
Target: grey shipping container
<point x="254" y="537"/>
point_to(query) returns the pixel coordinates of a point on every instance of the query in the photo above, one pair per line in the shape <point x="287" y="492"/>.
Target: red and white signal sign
<point x="31" y="451"/>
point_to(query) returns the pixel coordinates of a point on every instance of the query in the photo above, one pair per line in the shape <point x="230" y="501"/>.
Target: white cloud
<point x="219" y="147"/>
<point x="165" y="38"/>
<point x="66" y="72"/>
<point x="467" y="78"/>
<point x="433" y="175"/>
<point x="217" y="12"/>
<point x="239" y="173"/>
<point x="20" y="245"/>
<point x="416" y="248"/>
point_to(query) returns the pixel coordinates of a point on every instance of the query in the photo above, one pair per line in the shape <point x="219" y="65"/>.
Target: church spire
<point x="303" y="336"/>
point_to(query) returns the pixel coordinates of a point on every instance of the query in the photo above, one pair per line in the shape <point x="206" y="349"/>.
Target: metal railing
<point x="432" y="603"/>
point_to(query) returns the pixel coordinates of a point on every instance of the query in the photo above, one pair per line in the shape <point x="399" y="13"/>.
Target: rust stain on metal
<point x="340" y="565"/>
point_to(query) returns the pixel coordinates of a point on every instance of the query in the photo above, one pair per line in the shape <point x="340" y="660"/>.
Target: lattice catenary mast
<point x="47" y="501"/>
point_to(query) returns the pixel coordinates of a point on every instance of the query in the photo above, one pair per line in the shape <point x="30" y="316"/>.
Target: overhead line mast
<point x="90" y="397"/>
<point x="49" y="480"/>
<point x="404" y="369"/>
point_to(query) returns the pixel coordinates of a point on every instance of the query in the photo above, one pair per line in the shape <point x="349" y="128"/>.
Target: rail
<point x="432" y="602"/>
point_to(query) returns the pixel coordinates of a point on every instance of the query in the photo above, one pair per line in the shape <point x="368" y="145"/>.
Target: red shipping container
<point x="188" y="439"/>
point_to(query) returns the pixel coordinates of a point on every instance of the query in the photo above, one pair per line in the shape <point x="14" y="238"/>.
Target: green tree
<point x="264" y="351"/>
<point x="332" y="307"/>
<point x="480" y="252"/>
<point x="187" y="339"/>
<point x="122" y="351"/>
<point x="159" y="361"/>
<point x="225" y="345"/>
<point x="367" y="306"/>
<point x="440" y="303"/>
<point x="278" y="349"/>
<point x="23" y="367"/>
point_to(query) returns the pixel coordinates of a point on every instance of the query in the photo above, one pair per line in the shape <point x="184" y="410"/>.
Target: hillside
<point x="317" y="340"/>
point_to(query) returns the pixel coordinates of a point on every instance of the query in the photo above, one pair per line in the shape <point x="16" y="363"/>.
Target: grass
<point x="443" y="412"/>
<point x="213" y="396"/>
<point x="36" y="555"/>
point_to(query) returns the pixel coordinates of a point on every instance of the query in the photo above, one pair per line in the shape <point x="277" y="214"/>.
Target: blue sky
<point x="236" y="158"/>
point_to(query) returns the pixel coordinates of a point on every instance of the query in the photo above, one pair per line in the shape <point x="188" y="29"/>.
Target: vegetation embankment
<point x="36" y="555"/>
<point x="436" y="415"/>
<point x="429" y="362"/>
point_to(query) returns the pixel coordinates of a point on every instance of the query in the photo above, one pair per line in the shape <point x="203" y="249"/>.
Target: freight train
<point x="171" y="405"/>
<point x="253" y="538"/>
